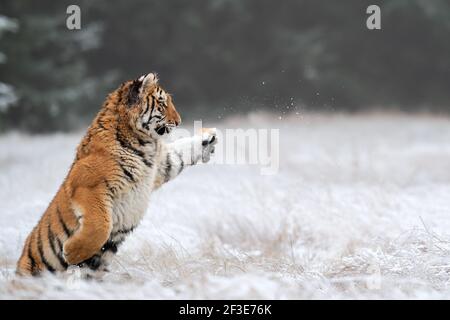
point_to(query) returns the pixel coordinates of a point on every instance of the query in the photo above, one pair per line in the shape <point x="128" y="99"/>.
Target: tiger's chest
<point x="129" y="208"/>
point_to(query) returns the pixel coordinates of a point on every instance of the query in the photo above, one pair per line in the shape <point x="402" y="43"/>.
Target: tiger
<point x="119" y="162"/>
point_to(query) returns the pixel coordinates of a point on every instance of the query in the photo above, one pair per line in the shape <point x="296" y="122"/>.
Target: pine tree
<point x="46" y="65"/>
<point x="7" y="94"/>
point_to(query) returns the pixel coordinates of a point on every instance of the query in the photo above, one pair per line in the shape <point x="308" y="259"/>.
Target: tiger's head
<point x="149" y="107"/>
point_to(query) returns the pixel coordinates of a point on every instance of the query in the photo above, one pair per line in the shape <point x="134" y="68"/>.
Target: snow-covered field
<point x="359" y="209"/>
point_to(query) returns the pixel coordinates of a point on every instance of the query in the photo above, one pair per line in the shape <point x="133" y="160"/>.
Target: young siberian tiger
<point x="119" y="162"/>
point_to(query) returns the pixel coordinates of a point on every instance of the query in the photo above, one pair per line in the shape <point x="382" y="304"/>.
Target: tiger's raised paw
<point x="209" y="140"/>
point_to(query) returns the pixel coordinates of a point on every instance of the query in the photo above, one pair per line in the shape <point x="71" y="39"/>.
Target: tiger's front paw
<point x="209" y="140"/>
<point x="75" y="252"/>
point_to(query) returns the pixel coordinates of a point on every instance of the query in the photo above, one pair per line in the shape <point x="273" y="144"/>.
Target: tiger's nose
<point x="177" y="120"/>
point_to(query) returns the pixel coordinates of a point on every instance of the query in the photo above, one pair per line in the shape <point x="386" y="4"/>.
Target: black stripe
<point x="41" y="253"/>
<point x="31" y="258"/>
<point x="147" y="124"/>
<point x="110" y="246"/>
<point x="148" y="163"/>
<point x="123" y="231"/>
<point x="127" y="145"/>
<point x="168" y="168"/>
<point x="119" y="180"/>
<point x="64" y="226"/>
<point x="126" y="172"/>
<point x="147" y="107"/>
<point x="61" y="249"/>
<point x="145" y="127"/>
<point x="153" y="108"/>
<point x="51" y="239"/>
<point x="93" y="262"/>
<point x="61" y="252"/>
<point x="143" y="142"/>
<point x="101" y="125"/>
<point x="110" y="189"/>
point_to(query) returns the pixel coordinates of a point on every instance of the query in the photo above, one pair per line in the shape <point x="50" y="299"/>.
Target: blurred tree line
<point x="221" y="57"/>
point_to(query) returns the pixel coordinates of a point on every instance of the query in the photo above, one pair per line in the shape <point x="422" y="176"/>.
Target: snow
<point x="359" y="209"/>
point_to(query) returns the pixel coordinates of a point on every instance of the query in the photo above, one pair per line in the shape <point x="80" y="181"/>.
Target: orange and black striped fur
<point x="119" y="162"/>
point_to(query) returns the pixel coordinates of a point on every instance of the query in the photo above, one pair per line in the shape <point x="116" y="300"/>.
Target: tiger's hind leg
<point x="27" y="266"/>
<point x="43" y="247"/>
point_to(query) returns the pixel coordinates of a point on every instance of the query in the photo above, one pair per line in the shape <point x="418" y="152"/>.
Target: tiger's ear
<point x="143" y="84"/>
<point x="149" y="82"/>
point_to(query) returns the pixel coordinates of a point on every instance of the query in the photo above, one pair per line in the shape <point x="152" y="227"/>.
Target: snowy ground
<point x="359" y="209"/>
